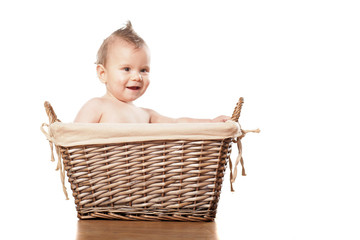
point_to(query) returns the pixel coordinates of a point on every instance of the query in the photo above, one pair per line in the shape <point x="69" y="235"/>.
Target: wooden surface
<point x="112" y="229"/>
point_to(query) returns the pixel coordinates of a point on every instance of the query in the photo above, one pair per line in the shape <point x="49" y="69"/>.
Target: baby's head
<point x="123" y="64"/>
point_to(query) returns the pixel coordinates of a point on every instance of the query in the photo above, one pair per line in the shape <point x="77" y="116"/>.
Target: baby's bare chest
<point x="124" y="114"/>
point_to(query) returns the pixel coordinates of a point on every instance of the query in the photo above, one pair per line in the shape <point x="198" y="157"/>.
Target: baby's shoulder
<point x="105" y="104"/>
<point x="90" y="111"/>
<point x="95" y="103"/>
<point x="95" y="100"/>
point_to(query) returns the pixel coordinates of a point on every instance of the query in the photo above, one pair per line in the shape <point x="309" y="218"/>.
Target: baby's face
<point x="127" y="70"/>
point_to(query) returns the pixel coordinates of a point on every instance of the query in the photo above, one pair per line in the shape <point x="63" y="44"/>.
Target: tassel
<point x="52" y="151"/>
<point x="231" y="175"/>
<point x="59" y="164"/>
<point x="62" y="173"/>
<point x="239" y="158"/>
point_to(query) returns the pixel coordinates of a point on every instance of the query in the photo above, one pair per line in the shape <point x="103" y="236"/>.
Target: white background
<point x="296" y="63"/>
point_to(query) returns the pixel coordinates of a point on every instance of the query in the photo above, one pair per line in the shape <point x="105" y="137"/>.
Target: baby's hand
<point x="221" y="118"/>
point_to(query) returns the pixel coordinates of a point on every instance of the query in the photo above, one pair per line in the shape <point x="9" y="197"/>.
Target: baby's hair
<point x="126" y="33"/>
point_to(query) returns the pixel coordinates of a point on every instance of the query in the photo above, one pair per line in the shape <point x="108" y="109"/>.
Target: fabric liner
<point x="75" y="134"/>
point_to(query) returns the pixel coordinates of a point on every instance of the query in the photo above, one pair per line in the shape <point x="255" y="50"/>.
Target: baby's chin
<point x="129" y="99"/>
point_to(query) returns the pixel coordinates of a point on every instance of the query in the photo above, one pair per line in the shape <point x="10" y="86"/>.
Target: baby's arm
<point x="157" y="118"/>
<point x="90" y="112"/>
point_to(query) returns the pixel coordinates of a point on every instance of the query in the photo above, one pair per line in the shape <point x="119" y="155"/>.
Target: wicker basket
<point x="146" y="179"/>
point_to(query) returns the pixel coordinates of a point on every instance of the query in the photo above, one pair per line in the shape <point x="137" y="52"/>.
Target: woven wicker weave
<point x="177" y="180"/>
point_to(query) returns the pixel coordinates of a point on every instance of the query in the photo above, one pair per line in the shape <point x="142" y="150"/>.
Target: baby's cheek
<point x="146" y="84"/>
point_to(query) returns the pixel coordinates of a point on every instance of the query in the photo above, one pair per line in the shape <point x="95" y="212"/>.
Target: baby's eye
<point x="144" y="70"/>
<point x="127" y="69"/>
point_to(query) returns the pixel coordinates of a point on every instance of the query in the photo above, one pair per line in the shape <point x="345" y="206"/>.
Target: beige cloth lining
<point x="75" y="134"/>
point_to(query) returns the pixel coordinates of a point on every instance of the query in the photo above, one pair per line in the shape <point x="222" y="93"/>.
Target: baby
<point x="123" y="65"/>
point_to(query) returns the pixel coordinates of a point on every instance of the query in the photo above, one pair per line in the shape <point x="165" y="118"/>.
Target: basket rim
<point x="77" y="134"/>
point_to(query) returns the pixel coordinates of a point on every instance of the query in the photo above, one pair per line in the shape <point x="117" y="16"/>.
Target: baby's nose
<point x="137" y="77"/>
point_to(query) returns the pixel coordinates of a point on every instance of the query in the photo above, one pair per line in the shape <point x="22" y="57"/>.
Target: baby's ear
<point x="101" y="71"/>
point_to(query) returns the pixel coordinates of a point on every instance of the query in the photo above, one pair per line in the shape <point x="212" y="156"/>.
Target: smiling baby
<point x="123" y="65"/>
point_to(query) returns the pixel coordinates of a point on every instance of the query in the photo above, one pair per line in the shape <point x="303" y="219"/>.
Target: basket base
<point x="129" y="214"/>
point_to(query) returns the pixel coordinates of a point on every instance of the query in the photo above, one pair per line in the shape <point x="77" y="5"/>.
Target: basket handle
<point x="236" y="114"/>
<point x="50" y="112"/>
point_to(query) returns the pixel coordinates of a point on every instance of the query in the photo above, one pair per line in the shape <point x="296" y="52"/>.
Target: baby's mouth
<point x="133" y="88"/>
